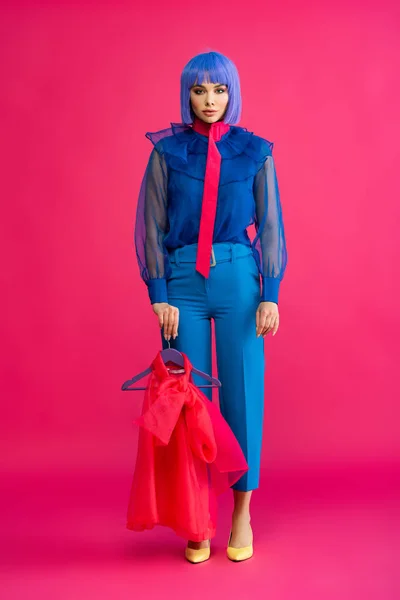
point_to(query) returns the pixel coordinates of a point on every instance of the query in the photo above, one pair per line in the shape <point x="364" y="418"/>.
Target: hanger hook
<point x="169" y="344"/>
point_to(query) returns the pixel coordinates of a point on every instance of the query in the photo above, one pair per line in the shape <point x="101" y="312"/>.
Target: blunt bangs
<point x="211" y="67"/>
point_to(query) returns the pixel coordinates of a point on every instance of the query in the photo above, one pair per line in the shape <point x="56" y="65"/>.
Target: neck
<point x="217" y="129"/>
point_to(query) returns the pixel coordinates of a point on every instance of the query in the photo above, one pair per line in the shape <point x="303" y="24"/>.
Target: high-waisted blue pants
<point x="230" y="296"/>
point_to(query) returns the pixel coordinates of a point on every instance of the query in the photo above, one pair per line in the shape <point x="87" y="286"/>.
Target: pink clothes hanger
<point x="170" y="355"/>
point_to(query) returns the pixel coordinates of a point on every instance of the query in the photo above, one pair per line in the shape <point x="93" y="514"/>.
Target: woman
<point x="206" y="182"/>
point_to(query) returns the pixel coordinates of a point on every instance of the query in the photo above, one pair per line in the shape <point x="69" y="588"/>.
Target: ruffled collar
<point x="231" y="144"/>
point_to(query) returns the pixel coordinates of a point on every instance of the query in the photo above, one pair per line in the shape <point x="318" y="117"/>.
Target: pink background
<point x="80" y="87"/>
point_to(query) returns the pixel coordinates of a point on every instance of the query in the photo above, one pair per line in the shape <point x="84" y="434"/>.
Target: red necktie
<point x="214" y="132"/>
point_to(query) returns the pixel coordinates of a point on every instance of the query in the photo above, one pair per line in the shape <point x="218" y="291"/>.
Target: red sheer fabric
<point x="187" y="455"/>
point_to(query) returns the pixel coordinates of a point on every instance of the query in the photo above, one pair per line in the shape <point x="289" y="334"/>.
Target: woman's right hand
<point x="168" y="316"/>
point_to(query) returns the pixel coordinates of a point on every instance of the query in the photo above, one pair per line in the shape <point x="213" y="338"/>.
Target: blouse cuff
<point x="270" y="289"/>
<point x="157" y="289"/>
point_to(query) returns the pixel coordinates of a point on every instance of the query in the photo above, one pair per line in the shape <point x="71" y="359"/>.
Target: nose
<point x="210" y="101"/>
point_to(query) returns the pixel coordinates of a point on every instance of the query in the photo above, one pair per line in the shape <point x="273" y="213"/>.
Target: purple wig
<point x="211" y="67"/>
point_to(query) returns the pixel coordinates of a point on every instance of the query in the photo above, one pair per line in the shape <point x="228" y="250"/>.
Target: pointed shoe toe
<point x="197" y="555"/>
<point x="239" y="554"/>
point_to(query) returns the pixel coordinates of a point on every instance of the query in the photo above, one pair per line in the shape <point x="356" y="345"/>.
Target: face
<point x="209" y="96"/>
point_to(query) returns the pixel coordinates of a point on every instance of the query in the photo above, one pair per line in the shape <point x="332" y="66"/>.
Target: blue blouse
<point x="169" y="207"/>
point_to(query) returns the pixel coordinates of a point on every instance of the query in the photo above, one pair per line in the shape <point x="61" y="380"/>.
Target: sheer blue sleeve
<point x="269" y="243"/>
<point x="151" y="227"/>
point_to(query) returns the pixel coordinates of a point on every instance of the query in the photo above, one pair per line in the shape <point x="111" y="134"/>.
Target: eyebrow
<point x="202" y="86"/>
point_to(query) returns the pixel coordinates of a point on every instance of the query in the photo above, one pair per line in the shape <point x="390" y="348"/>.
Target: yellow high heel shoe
<point x="238" y="554"/>
<point x="199" y="555"/>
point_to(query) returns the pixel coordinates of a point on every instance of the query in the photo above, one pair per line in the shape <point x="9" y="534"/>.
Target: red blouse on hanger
<point x="187" y="455"/>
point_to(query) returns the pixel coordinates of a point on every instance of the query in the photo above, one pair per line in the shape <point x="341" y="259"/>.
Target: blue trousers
<point x="230" y="296"/>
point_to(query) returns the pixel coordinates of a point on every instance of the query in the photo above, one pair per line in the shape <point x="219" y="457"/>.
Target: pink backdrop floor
<point x="327" y="534"/>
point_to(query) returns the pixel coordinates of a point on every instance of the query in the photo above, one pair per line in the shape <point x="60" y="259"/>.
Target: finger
<point x="261" y="319"/>
<point x="176" y="324"/>
<point x="160" y="319"/>
<point x="171" y="320"/>
<point x="261" y="323"/>
<point x="276" y="326"/>
<point x="166" y="323"/>
<point x="257" y="320"/>
<point x="269" y="325"/>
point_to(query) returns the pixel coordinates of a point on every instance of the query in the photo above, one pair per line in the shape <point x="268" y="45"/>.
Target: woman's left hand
<point x="267" y="318"/>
